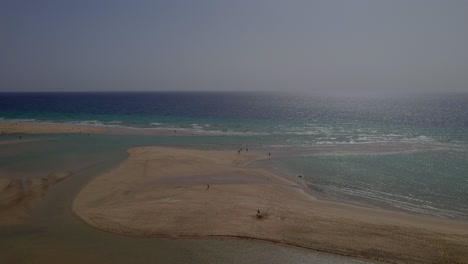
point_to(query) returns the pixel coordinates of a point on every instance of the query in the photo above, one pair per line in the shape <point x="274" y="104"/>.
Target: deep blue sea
<point x="406" y="153"/>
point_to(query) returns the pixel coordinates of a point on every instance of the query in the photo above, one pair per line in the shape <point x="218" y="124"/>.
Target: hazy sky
<point x="336" y="46"/>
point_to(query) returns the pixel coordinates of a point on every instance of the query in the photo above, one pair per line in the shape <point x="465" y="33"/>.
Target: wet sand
<point x="163" y="192"/>
<point x="19" y="198"/>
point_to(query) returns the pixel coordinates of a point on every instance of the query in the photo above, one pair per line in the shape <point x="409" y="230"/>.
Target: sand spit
<point x="20" y="197"/>
<point x="164" y="192"/>
<point x="30" y="128"/>
<point x="39" y="128"/>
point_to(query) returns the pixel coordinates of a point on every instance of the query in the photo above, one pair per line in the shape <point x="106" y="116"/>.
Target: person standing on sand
<point x="207" y="186"/>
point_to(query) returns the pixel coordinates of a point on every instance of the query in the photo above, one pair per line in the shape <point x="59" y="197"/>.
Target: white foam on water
<point x="92" y="123"/>
<point x="421" y="138"/>
<point x="397" y="201"/>
<point x="197" y="126"/>
<point x="96" y="123"/>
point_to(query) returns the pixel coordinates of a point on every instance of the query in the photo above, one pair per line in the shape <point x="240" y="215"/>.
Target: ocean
<point x="403" y="153"/>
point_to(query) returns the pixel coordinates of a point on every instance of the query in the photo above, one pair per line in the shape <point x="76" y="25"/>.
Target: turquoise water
<point x="431" y="183"/>
<point x="402" y="153"/>
<point x="416" y="178"/>
<point x="316" y="119"/>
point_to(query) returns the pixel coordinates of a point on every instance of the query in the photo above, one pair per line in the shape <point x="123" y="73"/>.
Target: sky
<point x="348" y="46"/>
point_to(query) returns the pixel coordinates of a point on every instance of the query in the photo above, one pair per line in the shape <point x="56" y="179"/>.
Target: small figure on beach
<point x="238" y="152"/>
<point x="269" y="154"/>
<point x="207" y="186"/>
<point x="260" y="215"/>
<point x="247" y="150"/>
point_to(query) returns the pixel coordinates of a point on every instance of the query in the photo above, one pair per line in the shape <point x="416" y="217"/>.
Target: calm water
<point x="401" y="153"/>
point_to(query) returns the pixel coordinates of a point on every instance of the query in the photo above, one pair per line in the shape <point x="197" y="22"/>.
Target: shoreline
<point x="227" y="237"/>
<point x="40" y="128"/>
<point x="24" y="128"/>
<point x="116" y="203"/>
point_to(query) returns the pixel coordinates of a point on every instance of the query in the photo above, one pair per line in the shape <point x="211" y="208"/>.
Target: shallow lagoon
<point x="56" y="235"/>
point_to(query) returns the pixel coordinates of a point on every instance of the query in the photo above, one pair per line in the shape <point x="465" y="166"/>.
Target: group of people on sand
<point x="241" y="149"/>
<point x="247" y="150"/>
<point x="5" y="132"/>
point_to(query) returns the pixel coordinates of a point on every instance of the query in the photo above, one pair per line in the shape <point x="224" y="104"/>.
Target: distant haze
<point x="314" y="46"/>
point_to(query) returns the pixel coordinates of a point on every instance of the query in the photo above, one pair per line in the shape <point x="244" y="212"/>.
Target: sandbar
<point x="33" y="128"/>
<point x="164" y="192"/>
<point x="44" y="128"/>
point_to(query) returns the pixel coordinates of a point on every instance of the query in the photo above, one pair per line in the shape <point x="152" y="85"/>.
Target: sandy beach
<point x="31" y="128"/>
<point x="164" y="192"/>
<point x="41" y="128"/>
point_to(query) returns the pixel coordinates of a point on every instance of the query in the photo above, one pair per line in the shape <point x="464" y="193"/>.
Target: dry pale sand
<point x="37" y="128"/>
<point x="30" y="128"/>
<point x="163" y="192"/>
